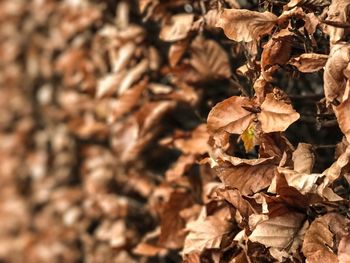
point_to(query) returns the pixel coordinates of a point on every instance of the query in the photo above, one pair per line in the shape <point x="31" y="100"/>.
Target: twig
<point x="336" y="24"/>
<point x="324" y="146"/>
<point x="306" y="96"/>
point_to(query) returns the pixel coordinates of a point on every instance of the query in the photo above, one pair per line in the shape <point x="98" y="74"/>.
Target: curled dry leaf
<point x="178" y="28"/>
<point x="343" y="112"/>
<point x="248" y="179"/>
<point x="303" y="182"/>
<point x="294" y="3"/>
<point x="277" y="50"/>
<point x="207" y="231"/>
<point x="317" y="243"/>
<point x="338" y="12"/>
<point x="344" y="250"/>
<point x="280" y="232"/>
<point x="209" y="59"/>
<point x="230" y="116"/>
<point x="245" y="25"/>
<point x="234" y="197"/>
<point x="133" y="75"/>
<point x="335" y="170"/>
<point x="172" y="225"/>
<point x="309" y="62"/>
<point x="334" y="79"/>
<point x="303" y="158"/>
<point x="127" y="101"/>
<point x="176" y="51"/>
<point x="197" y="143"/>
<point x="276" y="115"/>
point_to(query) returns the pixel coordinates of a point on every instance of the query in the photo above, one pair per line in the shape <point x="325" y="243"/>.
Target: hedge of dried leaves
<point x="169" y="131"/>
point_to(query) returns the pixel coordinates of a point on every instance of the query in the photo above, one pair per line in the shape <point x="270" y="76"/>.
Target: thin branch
<point x="336" y="24"/>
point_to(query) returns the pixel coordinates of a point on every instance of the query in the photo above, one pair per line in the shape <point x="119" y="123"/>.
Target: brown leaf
<point x="209" y="59"/>
<point x="279" y="232"/>
<point x="133" y="75"/>
<point x="197" y="143"/>
<point x="334" y="79"/>
<point x="303" y="158"/>
<point x="207" y="231"/>
<point x="335" y="170"/>
<point x="176" y="51"/>
<point x="131" y="136"/>
<point x="317" y="243"/>
<point x="230" y="116"/>
<point x="172" y="235"/>
<point x="277" y="50"/>
<point x="344" y="250"/>
<point x="149" y="250"/>
<point x="303" y="182"/>
<point x="309" y="62"/>
<point x="276" y="115"/>
<point x="234" y="197"/>
<point x="342" y="112"/>
<point x="248" y="179"/>
<point x="245" y="25"/>
<point x="183" y="163"/>
<point x="127" y="101"/>
<point x="338" y="12"/>
<point x="178" y="27"/>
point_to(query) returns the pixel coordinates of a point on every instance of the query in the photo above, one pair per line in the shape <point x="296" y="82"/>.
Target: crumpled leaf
<point x="303" y="158"/>
<point x="303" y="182"/>
<point x="230" y="116"/>
<point x="279" y="232"/>
<point x="176" y="51"/>
<point x="132" y="135"/>
<point x="277" y="50"/>
<point x="334" y="79"/>
<point x="234" y="197"/>
<point x="209" y="59"/>
<point x="248" y="179"/>
<point x="338" y="12"/>
<point x="309" y="62"/>
<point x="344" y="250"/>
<point x="317" y="243"/>
<point x="171" y="235"/>
<point x="197" y="143"/>
<point x="276" y="115"/>
<point x="245" y="25"/>
<point x="342" y="112"/>
<point x="207" y="231"/>
<point x="178" y="27"/>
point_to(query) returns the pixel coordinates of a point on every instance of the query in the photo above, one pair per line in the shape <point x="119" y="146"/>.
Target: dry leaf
<point x="344" y="250"/>
<point x="303" y="158"/>
<point x="343" y="112"/>
<point x="338" y="12"/>
<point x="276" y="115"/>
<point x="207" y="231"/>
<point x="277" y="50"/>
<point x="317" y="243"/>
<point x="176" y="51"/>
<point x="172" y="235"/>
<point x="279" y="232"/>
<point x="248" y="179"/>
<point x="230" y="116"/>
<point x="303" y="182"/>
<point x="178" y="28"/>
<point x="309" y="62"/>
<point x="209" y="59"/>
<point x="245" y="25"/>
<point x="334" y="79"/>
